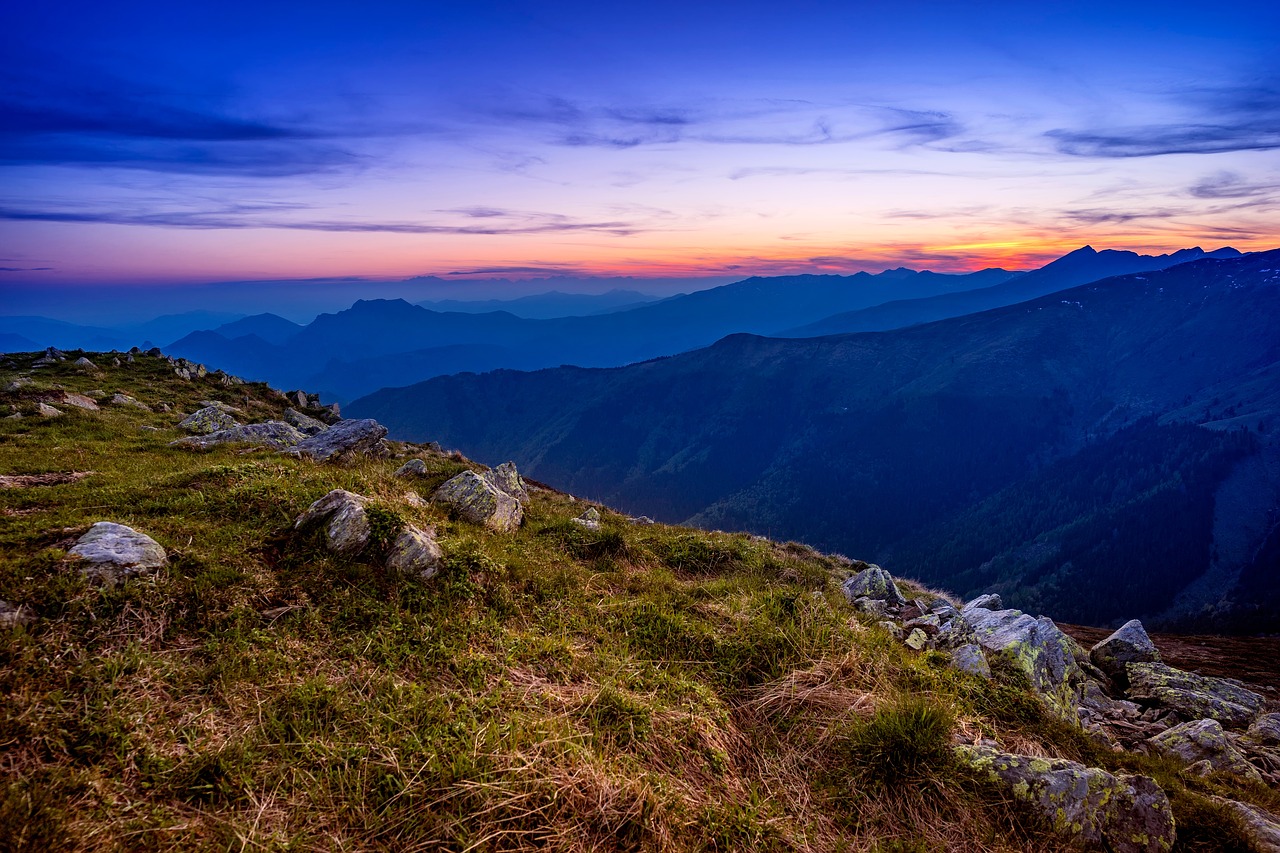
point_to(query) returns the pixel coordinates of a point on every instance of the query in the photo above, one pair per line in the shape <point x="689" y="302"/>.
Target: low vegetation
<point x="639" y="687"/>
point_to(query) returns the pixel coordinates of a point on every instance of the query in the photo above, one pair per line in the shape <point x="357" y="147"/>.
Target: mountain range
<point x="1103" y="451"/>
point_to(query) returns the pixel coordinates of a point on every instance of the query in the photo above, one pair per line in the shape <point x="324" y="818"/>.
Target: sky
<point x="172" y="143"/>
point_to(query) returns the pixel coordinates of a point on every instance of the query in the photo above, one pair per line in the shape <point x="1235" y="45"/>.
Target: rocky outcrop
<point x="347" y="529"/>
<point x="969" y="658"/>
<point x="1262" y="826"/>
<point x="304" y="423"/>
<point x="1266" y="730"/>
<point x="414" y="553"/>
<point x="1099" y="811"/>
<point x="341" y="441"/>
<point x="208" y="420"/>
<point x="1193" y="696"/>
<point x="873" y="583"/>
<point x="590" y="519"/>
<point x="508" y="479"/>
<point x="274" y="434"/>
<point x="1038" y="648"/>
<point x="1205" y="746"/>
<point x="112" y="552"/>
<point x="1129" y="644"/>
<point x="479" y="501"/>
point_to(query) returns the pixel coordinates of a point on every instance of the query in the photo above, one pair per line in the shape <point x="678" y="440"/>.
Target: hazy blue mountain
<point x="10" y="342"/>
<point x="271" y="328"/>
<point x="1079" y="267"/>
<point x="867" y="443"/>
<point x="547" y="306"/>
<point x="56" y="333"/>
<point x="169" y="327"/>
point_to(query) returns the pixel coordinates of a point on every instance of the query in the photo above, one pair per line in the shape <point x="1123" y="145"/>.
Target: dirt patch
<point x="53" y="478"/>
<point x="1253" y="660"/>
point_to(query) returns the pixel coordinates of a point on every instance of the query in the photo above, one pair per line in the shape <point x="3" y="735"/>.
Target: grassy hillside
<point x="640" y="687"/>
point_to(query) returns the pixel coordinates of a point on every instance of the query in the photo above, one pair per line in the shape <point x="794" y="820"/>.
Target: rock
<point x="916" y="640"/>
<point x="1193" y="696"/>
<point x="412" y="468"/>
<point x="222" y="407"/>
<point x="954" y="633"/>
<point x="275" y="434"/>
<point x="508" y="479"/>
<point x="875" y="583"/>
<point x="114" y="551"/>
<point x="874" y="608"/>
<point x="304" y="423"/>
<point x="85" y="363"/>
<point x="414" y="553"/>
<point x="1129" y="644"/>
<point x="479" y="501"/>
<point x="969" y="658"/>
<point x="990" y="601"/>
<point x="642" y="520"/>
<point x="346" y="523"/>
<point x="1266" y="730"/>
<point x="119" y="399"/>
<point x="80" y="401"/>
<point x="298" y="398"/>
<point x="13" y="615"/>
<point x="1124" y="814"/>
<point x="1262" y="826"/>
<point x="208" y="420"/>
<point x="943" y="609"/>
<point x="1038" y="648"/>
<point x="342" y="440"/>
<point x="1205" y="740"/>
<point x="414" y="499"/>
<point x="894" y="629"/>
<point x="47" y="411"/>
<point x="590" y="519"/>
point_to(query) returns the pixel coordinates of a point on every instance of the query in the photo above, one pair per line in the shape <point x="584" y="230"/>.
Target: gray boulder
<point x="119" y="399"/>
<point x="479" y="501"/>
<point x="346" y="523"/>
<point x="990" y="601"/>
<point x="1193" y="696"/>
<point x="1205" y="741"/>
<point x="969" y="658"/>
<point x="304" y="423"/>
<point x="1087" y="805"/>
<point x="508" y="479"/>
<point x="1262" y="826"/>
<point x="208" y="420"/>
<point x="1266" y="730"/>
<point x="342" y="440"/>
<point x="47" y="411"/>
<point x="1038" y="648"/>
<point x="1129" y="644"/>
<point x="590" y="519"/>
<point x="412" y="468"/>
<point x="13" y="615"/>
<point x="85" y="363"/>
<point x="875" y="583"/>
<point x="275" y="434"/>
<point x="66" y="398"/>
<point x="414" y="553"/>
<point x="113" y="552"/>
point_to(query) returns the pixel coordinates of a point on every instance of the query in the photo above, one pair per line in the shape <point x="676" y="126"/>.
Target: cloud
<point x="506" y="270"/>
<point x="1219" y="120"/>
<point x="25" y="269"/>
<point x="1230" y="185"/>
<point x="249" y="217"/>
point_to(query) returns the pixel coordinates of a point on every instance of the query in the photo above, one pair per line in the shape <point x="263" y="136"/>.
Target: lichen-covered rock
<point x="412" y="468"/>
<point x="85" y="363"/>
<point x="304" y="423"/>
<point x="990" y="601"/>
<point x="1205" y="740"/>
<point x="66" y="398"/>
<point x="208" y="420"/>
<point x="414" y="553"/>
<point x="112" y="552"/>
<point x="275" y="434"/>
<point x="477" y="500"/>
<point x="1125" y="814"/>
<point x="13" y="615"/>
<point x="1129" y="644"/>
<point x="508" y="479"/>
<point x="916" y="639"/>
<point x="590" y="519"/>
<point x="225" y="407"/>
<point x="120" y="399"/>
<point x="347" y="528"/>
<point x="44" y="410"/>
<point x="954" y="632"/>
<point x="875" y="583"/>
<point x="1194" y="696"/>
<point x="1262" y="826"/>
<point x="894" y="629"/>
<point x="969" y="658"/>
<point x="1266" y="730"/>
<point x="1038" y="648"/>
<point x="342" y="440"/>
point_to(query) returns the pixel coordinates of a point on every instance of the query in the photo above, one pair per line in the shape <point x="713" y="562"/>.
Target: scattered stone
<point x="590" y="519"/>
<point x="119" y="399"/>
<point x="990" y="601"/>
<point x="85" y="363"/>
<point x="1038" y="648"/>
<point x="346" y="523"/>
<point x="274" y="434"/>
<point x="894" y="629"/>
<point x="642" y="520"/>
<point x="1266" y="730"/>
<point x="414" y="553"/>
<point x="13" y="615"/>
<point x="114" y="552"/>
<point x="1205" y="741"/>
<point x="412" y="468"/>
<point x="342" y="440"/>
<point x="916" y="640"/>
<point x="298" y="398"/>
<point x="875" y="583"/>
<point x="1263" y="827"/>
<point x="220" y="406"/>
<point x="873" y="607"/>
<point x="304" y="423"/>
<point x="78" y="400"/>
<point x="47" y="411"/>
<point x="414" y="499"/>
<point x="969" y="658"/>
<point x="479" y="501"/>
<point x="1129" y="644"/>
<point x="508" y="479"/>
<point x="1193" y="696"/>
<point x="1125" y="814"/>
<point x="207" y="421"/>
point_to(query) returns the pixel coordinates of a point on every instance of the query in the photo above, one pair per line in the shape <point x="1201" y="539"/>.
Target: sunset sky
<point x="185" y="142"/>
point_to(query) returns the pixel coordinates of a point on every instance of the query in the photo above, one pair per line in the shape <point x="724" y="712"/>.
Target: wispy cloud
<point x="25" y="269"/>
<point x="1231" y="185"/>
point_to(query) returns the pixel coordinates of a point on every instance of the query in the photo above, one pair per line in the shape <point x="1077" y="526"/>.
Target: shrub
<point x="908" y="742"/>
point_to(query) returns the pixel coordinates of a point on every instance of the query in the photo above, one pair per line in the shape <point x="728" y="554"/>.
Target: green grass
<point x="636" y="687"/>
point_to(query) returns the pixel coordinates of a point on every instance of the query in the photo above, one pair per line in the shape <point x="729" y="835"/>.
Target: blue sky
<point x="163" y="143"/>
